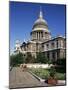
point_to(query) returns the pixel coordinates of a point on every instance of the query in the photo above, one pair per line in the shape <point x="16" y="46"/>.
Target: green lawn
<point x="44" y="73"/>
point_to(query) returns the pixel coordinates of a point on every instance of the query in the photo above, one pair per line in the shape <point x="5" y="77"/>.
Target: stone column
<point x="59" y="44"/>
<point x="50" y="55"/>
<point x="56" y="56"/>
<point x="36" y="35"/>
<point x="31" y="48"/>
<point x="43" y="35"/>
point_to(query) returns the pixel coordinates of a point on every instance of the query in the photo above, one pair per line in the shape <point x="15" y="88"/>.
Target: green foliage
<point x="52" y="71"/>
<point x="29" y="58"/>
<point x="45" y="73"/>
<point x="21" y="58"/>
<point x="50" y="62"/>
<point x="61" y="62"/>
<point x="60" y="76"/>
<point x="61" y="65"/>
<point x="16" y="59"/>
<point x="41" y="58"/>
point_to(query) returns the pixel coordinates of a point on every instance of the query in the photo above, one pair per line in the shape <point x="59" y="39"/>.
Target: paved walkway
<point x="19" y="78"/>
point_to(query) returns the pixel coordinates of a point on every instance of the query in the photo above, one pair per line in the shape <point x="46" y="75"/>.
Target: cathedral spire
<point x="40" y="14"/>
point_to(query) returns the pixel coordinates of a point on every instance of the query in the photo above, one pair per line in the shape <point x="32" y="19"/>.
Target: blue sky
<point x="23" y="15"/>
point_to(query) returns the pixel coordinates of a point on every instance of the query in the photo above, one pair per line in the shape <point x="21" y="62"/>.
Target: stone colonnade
<point x="38" y="35"/>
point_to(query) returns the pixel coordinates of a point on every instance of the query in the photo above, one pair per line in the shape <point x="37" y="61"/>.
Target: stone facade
<point x="41" y="41"/>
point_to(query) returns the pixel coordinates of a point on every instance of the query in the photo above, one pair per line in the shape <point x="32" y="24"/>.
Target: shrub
<point x="52" y="71"/>
<point x="16" y="59"/>
<point x="60" y="76"/>
<point x="41" y="58"/>
<point x="61" y="65"/>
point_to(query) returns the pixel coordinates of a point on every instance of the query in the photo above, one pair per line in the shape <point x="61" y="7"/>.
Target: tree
<point x="12" y="60"/>
<point x="16" y="59"/>
<point x="29" y="58"/>
<point x="41" y="58"/>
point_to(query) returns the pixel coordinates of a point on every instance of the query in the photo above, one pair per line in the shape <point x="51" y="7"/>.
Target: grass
<point x="60" y="76"/>
<point x="44" y="73"/>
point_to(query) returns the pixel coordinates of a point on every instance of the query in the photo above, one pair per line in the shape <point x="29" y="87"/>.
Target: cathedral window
<point x="47" y="45"/>
<point x="52" y="45"/>
<point x="53" y="55"/>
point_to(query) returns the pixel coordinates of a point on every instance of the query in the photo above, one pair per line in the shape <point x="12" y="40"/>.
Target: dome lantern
<point x="40" y="14"/>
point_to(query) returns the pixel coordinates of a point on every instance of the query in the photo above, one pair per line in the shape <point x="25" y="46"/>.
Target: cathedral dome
<point x="40" y="23"/>
<point x="40" y="29"/>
